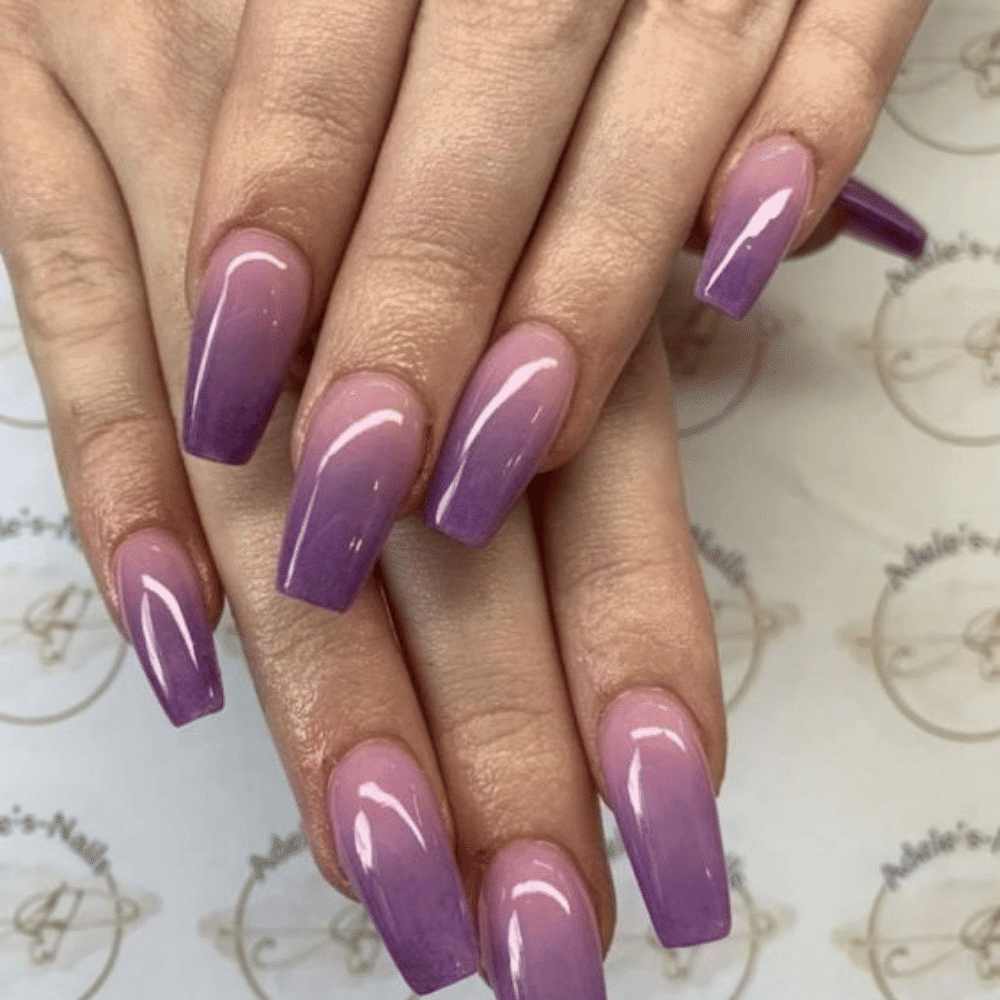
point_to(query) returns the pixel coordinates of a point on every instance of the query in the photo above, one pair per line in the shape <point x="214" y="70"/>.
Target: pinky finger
<point x="67" y="242"/>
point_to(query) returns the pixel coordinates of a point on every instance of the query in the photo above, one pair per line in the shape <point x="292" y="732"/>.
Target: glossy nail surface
<point x="759" y="214"/>
<point x="393" y="848"/>
<point x="539" y="936"/>
<point x="164" y="613"/>
<point x="659" y="789"/>
<point x="507" y="419"/>
<point x="873" y="218"/>
<point x="247" y="327"/>
<point x="361" y="454"/>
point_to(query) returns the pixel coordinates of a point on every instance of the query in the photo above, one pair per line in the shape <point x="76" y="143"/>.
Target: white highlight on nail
<point x="538" y="886"/>
<point x="770" y="210"/>
<point x="152" y="585"/>
<point x="371" y="791"/>
<point x="363" y="846"/>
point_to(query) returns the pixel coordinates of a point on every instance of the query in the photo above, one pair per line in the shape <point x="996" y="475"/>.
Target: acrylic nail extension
<point x="247" y="327"/>
<point x="507" y="419"/>
<point x="362" y="452"/>
<point x="760" y="212"/>
<point x="165" y="617"/>
<point x="872" y="218"/>
<point x="659" y="789"/>
<point x="392" y="845"/>
<point x="538" y="933"/>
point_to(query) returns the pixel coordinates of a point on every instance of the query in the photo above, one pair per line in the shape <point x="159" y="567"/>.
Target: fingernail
<point x="361" y="455"/>
<point x="660" y="792"/>
<point x="506" y="421"/>
<point x="760" y="212"/>
<point x="165" y="617"/>
<point x="246" y="330"/>
<point x="538" y="932"/>
<point x="873" y="218"/>
<point x="392" y="845"/>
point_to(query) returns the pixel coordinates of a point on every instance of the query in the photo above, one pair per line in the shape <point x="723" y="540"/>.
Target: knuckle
<point x="723" y="20"/>
<point x="556" y="26"/>
<point x="838" y="58"/>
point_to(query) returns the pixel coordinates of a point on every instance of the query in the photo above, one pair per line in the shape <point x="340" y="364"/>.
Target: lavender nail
<point x="361" y="455"/>
<point x="760" y="213"/>
<point x="659" y="789"/>
<point x="538" y="932"/>
<point x="392" y="845"/>
<point x="873" y="218"/>
<point x="165" y="616"/>
<point x="508" y="417"/>
<point x="247" y="328"/>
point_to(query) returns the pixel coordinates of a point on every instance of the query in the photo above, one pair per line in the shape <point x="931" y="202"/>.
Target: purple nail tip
<point x="393" y="847"/>
<point x="506" y="421"/>
<point x="659" y="789"/>
<point x="247" y="327"/>
<point x="539" y="935"/>
<point x="873" y="218"/>
<point x="165" y="617"/>
<point x="362" y="452"/>
<point x="759" y="215"/>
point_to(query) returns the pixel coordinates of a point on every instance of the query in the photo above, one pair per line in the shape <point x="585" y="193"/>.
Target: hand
<point x="409" y="184"/>
<point x="494" y="690"/>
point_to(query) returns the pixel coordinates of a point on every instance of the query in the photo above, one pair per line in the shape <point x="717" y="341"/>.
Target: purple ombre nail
<point x="362" y="452"/>
<point x="507" y="419"/>
<point x="247" y="327"/>
<point x="393" y="847"/>
<point x="164" y="614"/>
<point x="760" y="212"/>
<point x="872" y="218"/>
<point x="539" y="936"/>
<point x="659" y="789"/>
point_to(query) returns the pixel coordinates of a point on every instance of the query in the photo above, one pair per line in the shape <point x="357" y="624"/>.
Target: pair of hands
<point x="404" y="185"/>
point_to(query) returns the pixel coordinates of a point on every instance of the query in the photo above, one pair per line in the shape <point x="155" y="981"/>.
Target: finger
<point x="336" y="692"/>
<point x="799" y="142"/>
<point x="637" y="639"/>
<point x="672" y="86"/>
<point x="477" y="631"/>
<point x="489" y="95"/>
<point x="292" y="150"/>
<point x="72" y="260"/>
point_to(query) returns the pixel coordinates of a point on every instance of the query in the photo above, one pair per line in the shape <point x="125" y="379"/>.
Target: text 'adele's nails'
<point x="759" y="214"/>
<point x="393" y="847"/>
<point x="659" y="788"/>
<point x="507" y="419"/>
<point x="164" y="613"/>
<point x="362" y="452"/>
<point x="247" y="327"/>
<point x="873" y="218"/>
<point x="538" y="932"/>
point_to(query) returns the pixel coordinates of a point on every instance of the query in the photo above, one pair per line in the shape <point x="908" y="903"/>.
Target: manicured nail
<point x="507" y="419"/>
<point x="873" y="218"/>
<point x="164" y="613"/>
<point x="760" y="213"/>
<point x="362" y="452"/>
<point x="246" y="330"/>
<point x="537" y="927"/>
<point x="393" y="847"/>
<point x="659" y="789"/>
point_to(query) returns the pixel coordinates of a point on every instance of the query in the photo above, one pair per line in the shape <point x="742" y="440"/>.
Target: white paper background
<point x="816" y="478"/>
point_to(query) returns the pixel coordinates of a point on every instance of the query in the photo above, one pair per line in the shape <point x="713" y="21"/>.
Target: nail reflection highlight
<point x="538" y="931"/>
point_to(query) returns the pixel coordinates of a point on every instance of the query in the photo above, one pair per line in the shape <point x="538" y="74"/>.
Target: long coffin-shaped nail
<point x="873" y="218"/>
<point x="393" y="847"/>
<point x="538" y="932"/>
<point x="659" y="789"/>
<point x="164" y="614"/>
<point x="247" y="327"/>
<point x="362" y="452"/>
<point x="508" y="417"/>
<point x="760" y="212"/>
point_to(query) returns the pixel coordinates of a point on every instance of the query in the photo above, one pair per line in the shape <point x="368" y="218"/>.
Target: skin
<point x="124" y="141"/>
